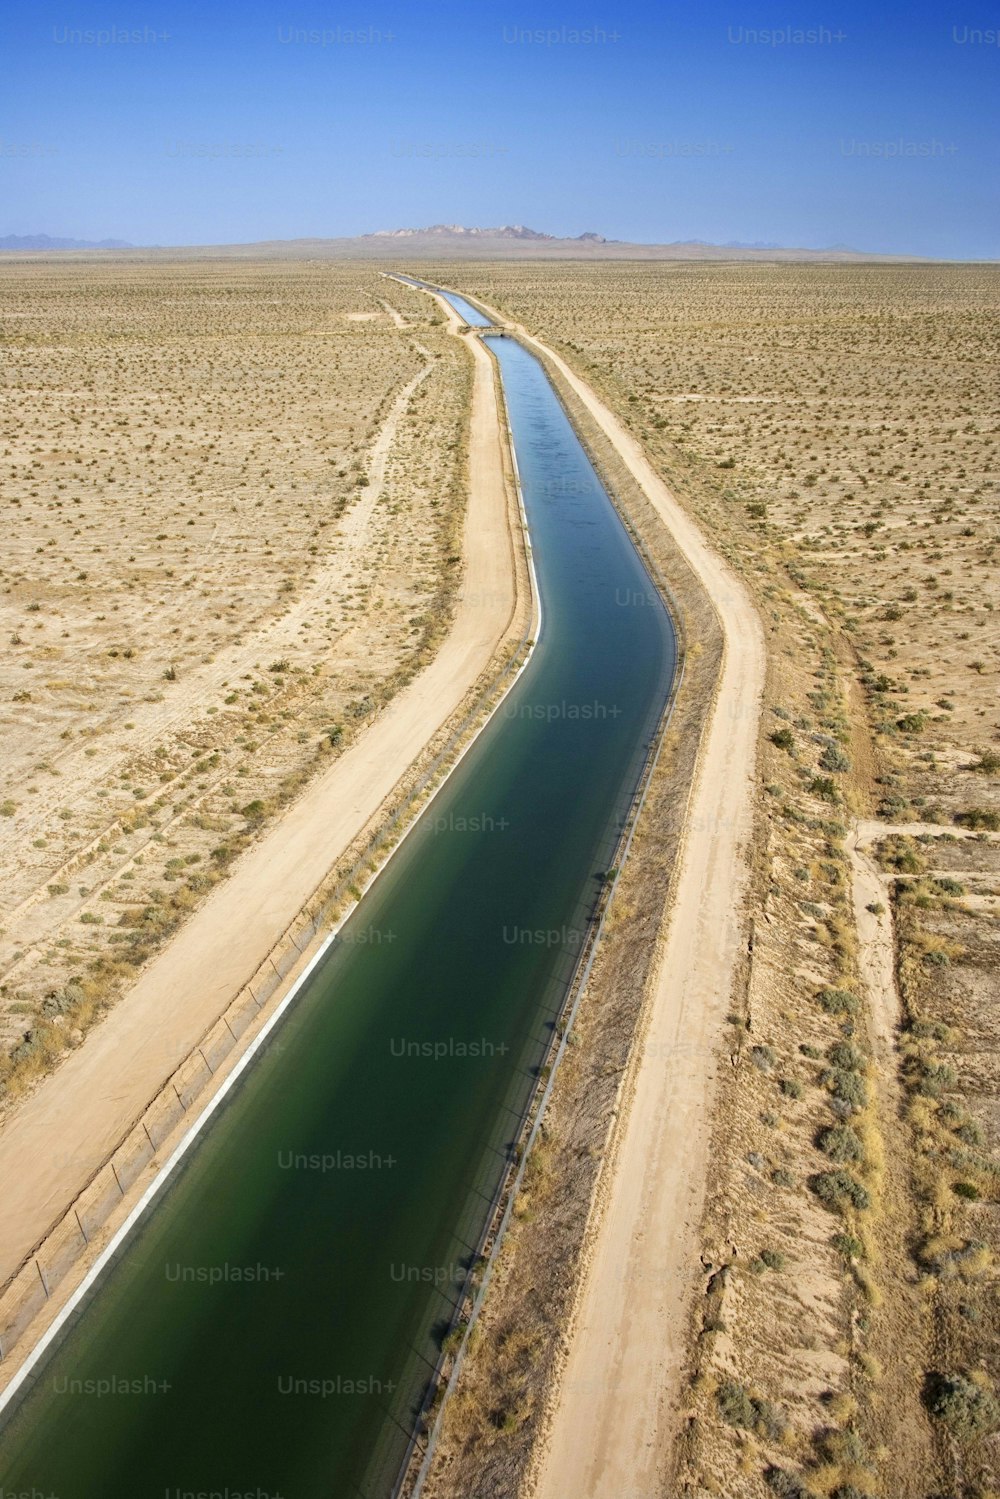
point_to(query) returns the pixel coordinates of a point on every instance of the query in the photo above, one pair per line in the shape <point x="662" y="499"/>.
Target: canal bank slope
<point x="55" y="1143"/>
<point x="611" y="1415"/>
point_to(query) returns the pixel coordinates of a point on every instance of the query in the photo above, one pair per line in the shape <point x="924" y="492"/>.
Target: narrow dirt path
<point x="396" y="316"/>
<point x="904" y="1325"/>
<point x="876" y="942"/>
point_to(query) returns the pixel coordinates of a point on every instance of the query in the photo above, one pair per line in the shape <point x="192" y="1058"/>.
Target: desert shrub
<point x="932" y="1030"/>
<point x="791" y="1087"/>
<point x="833" y="758"/>
<point x="979" y="817"/>
<point x="841" y="1447"/>
<point x="784" y="1484"/>
<point x="905" y="859"/>
<point x="823" y="786"/>
<point x="838" y="1001"/>
<point x="847" y="1086"/>
<point x="841" y="1144"/>
<point x="736" y="1405"/>
<point x="848" y="1246"/>
<point x="839" y="1189"/>
<point x="843" y="1054"/>
<point x="968" y="1408"/>
<point x="892" y="807"/>
<point x="61" y="1002"/>
<point x="739" y="1408"/>
<point x="934" y="1077"/>
<point x="783" y="738"/>
<point x="763" y="1057"/>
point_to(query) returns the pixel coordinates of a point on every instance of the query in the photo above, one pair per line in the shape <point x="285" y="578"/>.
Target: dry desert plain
<point x="233" y="500"/>
<point x="171" y="684"/>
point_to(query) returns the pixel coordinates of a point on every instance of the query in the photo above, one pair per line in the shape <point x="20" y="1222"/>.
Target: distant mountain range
<point x="754" y="244"/>
<point x="459" y="231"/>
<point x="447" y="242"/>
<point x="46" y="242"/>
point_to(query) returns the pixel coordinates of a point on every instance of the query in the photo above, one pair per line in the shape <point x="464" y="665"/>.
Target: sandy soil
<point x="53" y="1142"/>
<point x="871" y="886"/>
<point x="610" y="1426"/>
<point x="240" y="542"/>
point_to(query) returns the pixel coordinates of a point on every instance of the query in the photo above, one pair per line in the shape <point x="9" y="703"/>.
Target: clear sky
<point x="854" y="123"/>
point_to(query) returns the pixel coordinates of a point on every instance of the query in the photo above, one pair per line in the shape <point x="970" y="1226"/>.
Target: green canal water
<point x="270" y="1326"/>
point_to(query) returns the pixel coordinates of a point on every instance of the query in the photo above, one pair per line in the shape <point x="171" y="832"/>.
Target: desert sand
<point x="234" y="509"/>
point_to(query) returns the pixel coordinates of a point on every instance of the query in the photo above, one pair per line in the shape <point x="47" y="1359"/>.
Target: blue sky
<point x="217" y="123"/>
